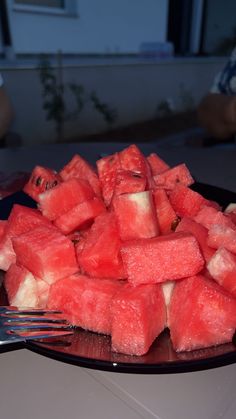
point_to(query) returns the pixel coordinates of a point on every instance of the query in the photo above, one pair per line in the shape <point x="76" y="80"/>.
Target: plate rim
<point x="172" y="367"/>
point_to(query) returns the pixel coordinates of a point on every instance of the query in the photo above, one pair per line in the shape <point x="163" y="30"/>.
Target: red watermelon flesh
<point x="222" y="267"/>
<point x="21" y="220"/>
<point x="80" y="215"/>
<point x="100" y="256"/>
<point x="173" y="176"/>
<point x="3" y="224"/>
<point x="208" y="215"/>
<point x="201" y="314"/>
<point x="169" y="257"/>
<point x="221" y="235"/>
<point x="128" y="181"/>
<point x="41" y="180"/>
<point x="80" y="168"/>
<point x="185" y="201"/>
<point x="74" y="236"/>
<point x="138" y="317"/>
<point x="7" y="253"/>
<point x="131" y="158"/>
<point x="107" y="169"/>
<point x="21" y="287"/>
<point x="157" y="164"/>
<point x="200" y="232"/>
<point x="135" y="215"/>
<point x="85" y="301"/>
<point x="47" y="253"/>
<point x="166" y="216"/>
<point x="63" y="197"/>
<point x="5" y="256"/>
<point x="232" y="216"/>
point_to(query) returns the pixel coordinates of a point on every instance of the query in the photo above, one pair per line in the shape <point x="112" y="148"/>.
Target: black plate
<point x="92" y="350"/>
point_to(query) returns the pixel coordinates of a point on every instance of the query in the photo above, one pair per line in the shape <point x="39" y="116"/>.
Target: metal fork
<point x="22" y="324"/>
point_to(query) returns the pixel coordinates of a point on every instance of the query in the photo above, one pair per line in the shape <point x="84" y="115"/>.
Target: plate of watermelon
<point x="139" y="256"/>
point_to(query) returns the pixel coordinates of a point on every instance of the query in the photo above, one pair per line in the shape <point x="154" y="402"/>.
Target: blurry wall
<point x="91" y="27"/>
<point x="135" y="90"/>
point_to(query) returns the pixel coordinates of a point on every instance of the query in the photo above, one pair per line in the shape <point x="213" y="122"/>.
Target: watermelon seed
<point x="175" y="223"/>
<point x="54" y="183"/>
<point x="38" y="181"/>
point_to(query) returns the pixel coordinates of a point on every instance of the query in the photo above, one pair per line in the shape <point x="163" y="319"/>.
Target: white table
<point x="36" y="387"/>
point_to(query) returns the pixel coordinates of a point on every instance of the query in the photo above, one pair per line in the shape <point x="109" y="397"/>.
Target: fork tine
<point x="23" y="337"/>
<point x="34" y="320"/>
<point x="39" y="326"/>
<point x="22" y="324"/>
<point x="11" y="310"/>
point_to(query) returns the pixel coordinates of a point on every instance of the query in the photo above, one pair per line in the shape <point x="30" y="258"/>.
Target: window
<point x="66" y="7"/>
<point x="185" y="25"/>
<point x="59" y="4"/>
<point x="202" y="27"/>
<point x="179" y="24"/>
<point x="219" y="27"/>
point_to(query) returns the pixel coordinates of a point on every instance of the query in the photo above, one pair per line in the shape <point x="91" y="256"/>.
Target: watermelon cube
<point x="201" y="314"/>
<point x="177" y="174"/>
<point x="80" y="216"/>
<point x="169" y="257"/>
<point x="208" y="215"/>
<point x="64" y="197"/>
<point x="128" y="181"/>
<point x="166" y="215"/>
<point x="199" y="232"/>
<point x="85" y="301"/>
<point x="138" y="317"/>
<point x="47" y="253"/>
<point x="42" y="179"/>
<point x="81" y="169"/>
<point x="222" y="235"/>
<point x="107" y="168"/>
<point x="135" y="215"/>
<point x="131" y="158"/>
<point x="185" y="201"/>
<point x="21" y="220"/>
<point x="21" y="287"/>
<point x="157" y="164"/>
<point x="222" y="267"/>
<point x="100" y="256"/>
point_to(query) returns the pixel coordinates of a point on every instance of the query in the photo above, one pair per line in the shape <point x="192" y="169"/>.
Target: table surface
<point x="33" y="386"/>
